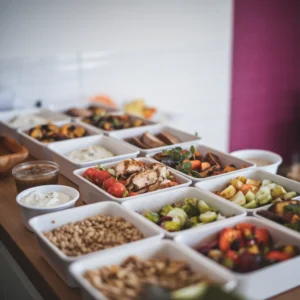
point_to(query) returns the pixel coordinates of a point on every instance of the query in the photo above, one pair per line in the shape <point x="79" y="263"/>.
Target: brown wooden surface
<point x="23" y="246"/>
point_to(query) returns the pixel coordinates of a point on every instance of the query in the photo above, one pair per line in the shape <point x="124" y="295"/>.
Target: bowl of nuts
<point x="68" y="235"/>
<point x="162" y="264"/>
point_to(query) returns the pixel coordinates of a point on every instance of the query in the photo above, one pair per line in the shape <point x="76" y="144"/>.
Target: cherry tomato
<point x="277" y="256"/>
<point x="101" y="176"/>
<point x="108" y="182"/>
<point x="262" y="236"/>
<point x="132" y="194"/>
<point x="89" y="174"/>
<point x="117" y="189"/>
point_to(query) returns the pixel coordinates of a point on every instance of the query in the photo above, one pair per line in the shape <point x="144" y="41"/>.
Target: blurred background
<point x="225" y="69"/>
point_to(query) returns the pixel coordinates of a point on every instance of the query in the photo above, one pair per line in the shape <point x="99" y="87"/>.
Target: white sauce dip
<point x="50" y="199"/>
<point x="88" y="154"/>
<point x="27" y="121"/>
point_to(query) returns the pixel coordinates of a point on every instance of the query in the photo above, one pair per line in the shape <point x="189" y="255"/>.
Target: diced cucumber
<point x="208" y="217"/>
<point x="250" y="205"/>
<point x="262" y="193"/>
<point x="263" y="201"/>
<point x="250" y="196"/>
<point x="289" y="195"/>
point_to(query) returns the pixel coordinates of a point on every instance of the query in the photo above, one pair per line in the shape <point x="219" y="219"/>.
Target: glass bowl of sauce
<point x="35" y="173"/>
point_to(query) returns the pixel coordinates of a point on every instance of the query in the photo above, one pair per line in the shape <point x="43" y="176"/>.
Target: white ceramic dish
<point x="155" y="203"/>
<point x="5" y="117"/>
<point x="260" y="284"/>
<point x="184" y="137"/>
<point x="274" y="158"/>
<point x="226" y="159"/>
<point x="219" y="184"/>
<point x="41" y="150"/>
<point x="57" y="259"/>
<point x="92" y="193"/>
<point x="29" y="212"/>
<point x="256" y="215"/>
<point x="59" y="151"/>
<point x="148" y="124"/>
<point x="151" y="249"/>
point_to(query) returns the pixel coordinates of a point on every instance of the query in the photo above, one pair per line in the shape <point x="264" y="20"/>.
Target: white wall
<point x="175" y="54"/>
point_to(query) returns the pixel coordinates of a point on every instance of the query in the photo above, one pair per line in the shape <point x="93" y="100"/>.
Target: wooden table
<point x="23" y="246"/>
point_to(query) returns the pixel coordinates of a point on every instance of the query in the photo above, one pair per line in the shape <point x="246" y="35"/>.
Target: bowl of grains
<point x="68" y="235"/>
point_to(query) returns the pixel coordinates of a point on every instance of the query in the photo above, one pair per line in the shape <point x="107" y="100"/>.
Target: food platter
<point x="123" y="181"/>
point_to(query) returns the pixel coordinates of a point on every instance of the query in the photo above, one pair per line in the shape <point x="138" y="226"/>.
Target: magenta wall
<point x="265" y="109"/>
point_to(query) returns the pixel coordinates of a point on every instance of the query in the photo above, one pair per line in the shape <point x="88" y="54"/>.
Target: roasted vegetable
<point x="171" y="226"/>
<point x="164" y="211"/>
<point x="203" y="207"/>
<point x="229" y="192"/>
<point x="208" y="217"/>
<point x="178" y="215"/>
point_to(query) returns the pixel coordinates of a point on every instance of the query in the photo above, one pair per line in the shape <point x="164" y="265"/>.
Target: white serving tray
<point x="8" y="130"/>
<point x="260" y="284"/>
<point x="225" y="158"/>
<point x="92" y="193"/>
<point x="184" y="137"/>
<point x="218" y="184"/>
<point x="149" y="124"/>
<point x="57" y="259"/>
<point x="155" y="203"/>
<point x="148" y="250"/>
<point x="41" y="150"/>
<point x="59" y="150"/>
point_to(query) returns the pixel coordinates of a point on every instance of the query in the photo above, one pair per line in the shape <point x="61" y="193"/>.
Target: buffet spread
<point x="164" y="210"/>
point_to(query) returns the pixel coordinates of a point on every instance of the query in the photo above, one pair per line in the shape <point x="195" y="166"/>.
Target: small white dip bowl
<point x="29" y="212"/>
<point x="252" y="155"/>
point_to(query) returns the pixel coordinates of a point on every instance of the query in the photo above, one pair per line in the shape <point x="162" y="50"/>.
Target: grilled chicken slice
<point x="152" y="141"/>
<point x="129" y="166"/>
<point x="145" y="178"/>
<point x="161" y="170"/>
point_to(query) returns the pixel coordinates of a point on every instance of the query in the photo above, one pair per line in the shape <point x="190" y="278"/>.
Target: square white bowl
<point x="91" y="193"/>
<point x="57" y="259"/>
<point x="151" y="249"/>
<point x="155" y="203"/>
<point x="256" y="215"/>
<point x="148" y="124"/>
<point x="219" y="184"/>
<point x="260" y="284"/>
<point x="59" y="150"/>
<point x="40" y="150"/>
<point x="225" y="158"/>
<point x="184" y="137"/>
<point x="8" y="130"/>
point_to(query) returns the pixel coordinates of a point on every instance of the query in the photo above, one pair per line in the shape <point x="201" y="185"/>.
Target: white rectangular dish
<point x="225" y="158"/>
<point x="59" y="151"/>
<point x="184" y="137"/>
<point x="148" y="124"/>
<point x="155" y="203"/>
<point x="40" y="150"/>
<point x="92" y="193"/>
<point x="151" y="249"/>
<point x="260" y="284"/>
<point x="57" y="259"/>
<point x="218" y="184"/>
<point x="7" y="129"/>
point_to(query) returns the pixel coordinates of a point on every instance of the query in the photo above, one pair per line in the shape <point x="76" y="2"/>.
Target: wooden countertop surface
<point x="23" y="246"/>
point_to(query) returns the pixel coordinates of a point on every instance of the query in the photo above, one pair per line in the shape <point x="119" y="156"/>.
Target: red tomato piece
<point x="101" y="176"/>
<point x="89" y="174"/>
<point x="132" y="194"/>
<point x="108" y="182"/>
<point x="277" y="256"/>
<point x="117" y="189"/>
<point x="262" y="236"/>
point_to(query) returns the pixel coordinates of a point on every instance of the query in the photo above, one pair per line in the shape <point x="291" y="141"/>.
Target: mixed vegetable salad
<point x="285" y="212"/>
<point x="192" y="163"/>
<point x="251" y="193"/>
<point x="191" y="212"/>
<point x="245" y="248"/>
